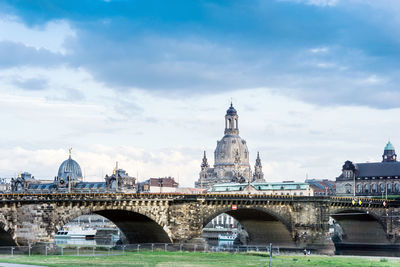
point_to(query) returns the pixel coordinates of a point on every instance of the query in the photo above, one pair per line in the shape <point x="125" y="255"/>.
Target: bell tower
<point x="258" y="175"/>
<point x="389" y="154"/>
<point x="231" y="121"/>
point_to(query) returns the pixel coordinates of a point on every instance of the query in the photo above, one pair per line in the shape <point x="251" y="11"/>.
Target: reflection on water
<point x="390" y="250"/>
<point x="84" y="242"/>
<point x="220" y="243"/>
<point x="224" y="243"/>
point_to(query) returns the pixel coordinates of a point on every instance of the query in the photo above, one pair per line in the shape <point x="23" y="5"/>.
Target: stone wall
<point x="290" y="221"/>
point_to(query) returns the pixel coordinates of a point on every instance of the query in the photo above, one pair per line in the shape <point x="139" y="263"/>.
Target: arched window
<point x="396" y="187"/>
<point x="359" y="188"/>
<point x="382" y="187"/>
<point x="389" y="187"/>
<point x="348" y="188"/>
<point x="366" y="188"/>
<point x="373" y="188"/>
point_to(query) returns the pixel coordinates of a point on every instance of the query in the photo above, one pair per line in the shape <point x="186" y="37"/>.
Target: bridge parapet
<point x="170" y="217"/>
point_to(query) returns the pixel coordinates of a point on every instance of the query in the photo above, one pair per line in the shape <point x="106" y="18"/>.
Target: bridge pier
<point x="297" y="222"/>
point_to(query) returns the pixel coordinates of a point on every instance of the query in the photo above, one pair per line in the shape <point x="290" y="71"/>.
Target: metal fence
<point x="76" y="250"/>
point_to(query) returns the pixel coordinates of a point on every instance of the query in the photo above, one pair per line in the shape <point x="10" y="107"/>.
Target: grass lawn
<point x="198" y="259"/>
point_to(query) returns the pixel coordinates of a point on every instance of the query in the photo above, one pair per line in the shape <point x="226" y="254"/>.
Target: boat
<point x="76" y="232"/>
<point x="227" y="237"/>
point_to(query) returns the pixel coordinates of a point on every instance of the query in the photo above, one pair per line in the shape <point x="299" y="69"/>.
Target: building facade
<point x="158" y="185"/>
<point x="231" y="158"/>
<point x="322" y="187"/>
<point x="70" y="179"/>
<point x="287" y="188"/>
<point x="371" y="178"/>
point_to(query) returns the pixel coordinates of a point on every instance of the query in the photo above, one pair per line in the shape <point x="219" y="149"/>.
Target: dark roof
<point x="231" y="110"/>
<point x="41" y="186"/>
<point x="90" y="185"/>
<point x="377" y="169"/>
<point x="165" y="182"/>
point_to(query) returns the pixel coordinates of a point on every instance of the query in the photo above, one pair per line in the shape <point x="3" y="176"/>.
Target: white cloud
<point x="99" y="160"/>
<point x="155" y="135"/>
<point x="318" y="50"/>
<point x="51" y="36"/>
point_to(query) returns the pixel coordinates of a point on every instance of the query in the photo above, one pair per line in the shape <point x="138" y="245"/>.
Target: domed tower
<point x="69" y="170"/>
<point x="389" y="154"/>
<point x="230" y="150"/>
<point x="231" y="121"/>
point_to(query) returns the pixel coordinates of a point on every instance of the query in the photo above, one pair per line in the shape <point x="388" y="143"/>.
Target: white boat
<point x="76" y="232"/>
<point x="227" y="237"/>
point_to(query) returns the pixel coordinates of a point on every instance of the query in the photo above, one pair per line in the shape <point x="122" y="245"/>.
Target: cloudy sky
<point x="147" y="84"/>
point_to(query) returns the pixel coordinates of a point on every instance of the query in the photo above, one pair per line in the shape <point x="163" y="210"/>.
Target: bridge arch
<point x="137" y="226"/>
<point x="262" y="225"/>
<point x="6" y="233"/>
<point x="359" y="226"/>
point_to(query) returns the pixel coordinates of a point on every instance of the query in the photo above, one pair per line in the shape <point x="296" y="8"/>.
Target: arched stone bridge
<point x="152" y="218"/>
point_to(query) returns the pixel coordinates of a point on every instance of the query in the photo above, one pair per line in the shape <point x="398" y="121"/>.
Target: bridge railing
<point x="52" y="249"/>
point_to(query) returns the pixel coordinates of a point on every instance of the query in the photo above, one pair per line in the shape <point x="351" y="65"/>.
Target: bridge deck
<point x="238" y="198"/>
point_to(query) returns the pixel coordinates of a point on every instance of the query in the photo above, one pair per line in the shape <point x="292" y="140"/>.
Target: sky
<point x="147" y="84"/>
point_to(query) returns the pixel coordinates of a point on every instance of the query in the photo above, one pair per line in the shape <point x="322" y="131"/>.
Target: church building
<point x="69" y="179"/>
<point x="231" y="158"/>
<point x="371" y="178"/>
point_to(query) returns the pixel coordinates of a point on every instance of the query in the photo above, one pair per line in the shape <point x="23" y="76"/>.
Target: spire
<point x="116" y="168"/>
<point x="258" y="175"/>
<point x="70" y="152"/>
<point x="258" y="160"/>
<point x="204" y="163"/>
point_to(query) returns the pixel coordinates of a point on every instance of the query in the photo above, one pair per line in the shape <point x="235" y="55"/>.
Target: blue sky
<point x="154" y="77"/>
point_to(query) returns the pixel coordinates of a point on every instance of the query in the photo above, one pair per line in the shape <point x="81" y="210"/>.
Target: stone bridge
<point x="286" y="221"/>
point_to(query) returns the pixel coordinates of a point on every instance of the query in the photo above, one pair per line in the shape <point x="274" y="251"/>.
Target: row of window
<point x="375" y="188"/>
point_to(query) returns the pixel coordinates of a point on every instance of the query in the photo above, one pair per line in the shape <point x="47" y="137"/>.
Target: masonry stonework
<point x="293" y="222"/>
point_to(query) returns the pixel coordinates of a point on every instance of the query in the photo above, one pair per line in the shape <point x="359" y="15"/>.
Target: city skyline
<point x="149" y="88"/>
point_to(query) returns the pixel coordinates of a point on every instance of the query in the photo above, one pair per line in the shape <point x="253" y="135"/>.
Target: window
<point x="348" y="188"/>
<point x="382" y="187"/>
<point x="396" y="187"/>
<point x="366" y="188"/>
<point x="389" y="187"/>
<point x="301" y="193"/>
<point x="359" y="188"/>
<point x="348" y="174"/>
<point x="373" y="188"/>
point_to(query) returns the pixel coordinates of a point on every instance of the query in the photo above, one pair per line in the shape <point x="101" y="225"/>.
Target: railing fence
<point x="52" y="249"/>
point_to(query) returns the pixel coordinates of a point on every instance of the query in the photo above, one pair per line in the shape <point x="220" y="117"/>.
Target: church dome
<point x="70" y="168"/>
<point x="226" y="150"/>
<point x="231" y="110"/>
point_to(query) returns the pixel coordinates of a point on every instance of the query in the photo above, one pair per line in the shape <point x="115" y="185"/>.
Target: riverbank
<point x="200" y="259"/>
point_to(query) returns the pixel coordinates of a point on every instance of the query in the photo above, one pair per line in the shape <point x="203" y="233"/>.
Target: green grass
<point x="150" y="259"/>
